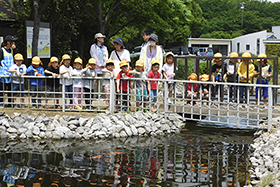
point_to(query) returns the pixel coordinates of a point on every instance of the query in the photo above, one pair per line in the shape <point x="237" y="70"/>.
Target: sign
<point x="44" y="40"/>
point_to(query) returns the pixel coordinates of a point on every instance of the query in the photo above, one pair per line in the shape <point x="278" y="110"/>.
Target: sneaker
<point x="34" y="106"/>
<point x="169" y="101"/>
<point x="1" y="106"/>
<point x="78" y="107"/>
<point x="16" y="106"/>
<point x="46" y="107"/>
<point x="40" y="106"/>
<point x="57" y="107"/>
<point x="22" y="106"/>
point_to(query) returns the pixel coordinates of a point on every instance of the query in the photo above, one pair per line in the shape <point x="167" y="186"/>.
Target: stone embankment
<point x="117" y="125"/>
<point x="265" y="159"/>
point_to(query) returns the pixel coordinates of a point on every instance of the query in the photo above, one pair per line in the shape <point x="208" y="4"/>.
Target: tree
<point x="38" y="11"/>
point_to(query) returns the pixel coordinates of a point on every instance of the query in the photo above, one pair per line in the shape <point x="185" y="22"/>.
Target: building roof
<point x="210" y="39"/>
<point x="6" y="12"/>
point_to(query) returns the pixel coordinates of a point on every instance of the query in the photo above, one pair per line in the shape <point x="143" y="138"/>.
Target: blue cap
<point x="118" y="40"/>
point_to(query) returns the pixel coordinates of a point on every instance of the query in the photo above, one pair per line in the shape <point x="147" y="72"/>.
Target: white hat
<point x="99" y="35"/>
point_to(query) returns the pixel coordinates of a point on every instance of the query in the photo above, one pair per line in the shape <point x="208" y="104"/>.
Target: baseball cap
<point x="154" y="37"/>
<point x="118" y="40"/>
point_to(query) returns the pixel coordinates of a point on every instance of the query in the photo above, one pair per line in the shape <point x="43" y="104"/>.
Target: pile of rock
<point x="266" y="157"/>
<point x="102" y="126"/>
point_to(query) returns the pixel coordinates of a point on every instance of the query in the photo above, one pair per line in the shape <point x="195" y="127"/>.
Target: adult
<point x="99" y="52"/>
<point x="146" y="35"/>
<point x="6" y="60"/>
<point x="119" y="54"/>
<point x="151" y="52"/>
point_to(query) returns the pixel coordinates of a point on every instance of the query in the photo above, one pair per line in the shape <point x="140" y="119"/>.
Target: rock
<point x="72" y="127"/>
<point x="82" y="121"/>
<point x="4" y="135"/>
<point x="63" y="123"/>
<point x="40" y="118"/>
<point x="80" y="130"/>
<point x="141" y="130"/>
<point x="134" y="130"/>
<point x="22" y="136"/>
<point x="57" y="135"/>
<point x="42" y="134"/>
<point x="36" y="130"/>
<point x="123" y="134"/>
<point x="74" y="122"/>
<point x="66" y="118"/>
<point x="48" y="134"/>
<point x="2" y="113"/>
<point x="128" y="131"/>
<point x="12" y="136"/>
<point x="2" y="128"/>
<point x="29" y="133"/>
<point x="5" y="122"/>
<point x="21" y="130"/>
<point x="15" y="115"/>
<point x="12" y="130"/>
<point x="56" y="123"/>
<point x="130" y="119"/>
<point x="46" y="121"/>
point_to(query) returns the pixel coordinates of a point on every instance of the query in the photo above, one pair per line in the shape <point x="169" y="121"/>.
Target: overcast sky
<point x="274" y="1"/>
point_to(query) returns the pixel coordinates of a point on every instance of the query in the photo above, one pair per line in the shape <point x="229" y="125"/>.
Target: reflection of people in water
<point x="55" y="180"/>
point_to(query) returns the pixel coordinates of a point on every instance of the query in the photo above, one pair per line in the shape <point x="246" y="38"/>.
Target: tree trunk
<point x="37" y="18"/>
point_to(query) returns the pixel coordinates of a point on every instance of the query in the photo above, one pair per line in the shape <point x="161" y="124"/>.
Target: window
<point x="247" y="47"/>
<point x="238" y="47"/>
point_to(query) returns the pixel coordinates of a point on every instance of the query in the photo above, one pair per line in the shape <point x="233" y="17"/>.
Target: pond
<point x="199" y="156"/>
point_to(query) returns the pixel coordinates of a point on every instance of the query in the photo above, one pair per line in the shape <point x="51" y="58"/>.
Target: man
<point x="146" y="35"/>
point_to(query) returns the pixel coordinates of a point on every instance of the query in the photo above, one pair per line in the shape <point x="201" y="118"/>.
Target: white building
<point x="253" y="43"/>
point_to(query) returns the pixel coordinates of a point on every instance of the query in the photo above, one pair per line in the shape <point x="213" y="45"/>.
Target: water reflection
<point x="196" y="157"/>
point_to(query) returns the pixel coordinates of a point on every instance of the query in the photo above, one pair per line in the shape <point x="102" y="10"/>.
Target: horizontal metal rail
<point x="239" y="111"/>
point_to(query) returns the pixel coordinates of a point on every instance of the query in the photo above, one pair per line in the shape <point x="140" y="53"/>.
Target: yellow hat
<point x="155" y="62"/>
<point x="217" y="57"/>
<point x="18" y="56"/>
<point x="123" y="63"/>
<point x="193" y="77"/>
<point x="233" y="54"/>
<point x="139" y="63"/>
<point x="36" y="60"/>
<point x="65" y="57"/>
<point x="10" y="185"/>
<point x="110" y="61"/>
<point x="204" y="77"/>
<point x="246" y="54"/>
<point x="169" y="53"/>
<point x="91" y="61"/>
<point x="78" y="60"/>
<point x="262" y="55"/>
<point x="53" y="59"/>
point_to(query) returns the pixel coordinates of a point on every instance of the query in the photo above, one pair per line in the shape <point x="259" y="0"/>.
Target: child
<point x="204" y="87"/>
<point x="53" y="83"/>
<point x="89" y="71"/>
<point x="78" y="84"/>
<point x="168" y="73"/>
<point x="243" y="77"/>
<point x="125" y="84"/>
<point x="141" y="86"/>
<point x="218" y="74"/>
<point x="18" y="70"/>
<point x="154" y="74"/>
<point x="264" y="77"/>
<point x="192" y="88"/>
<point x="232" y="75"/>
<point x="107" y="73"/>
<point x="66" y="72"/>
<point x="36" y="84"/>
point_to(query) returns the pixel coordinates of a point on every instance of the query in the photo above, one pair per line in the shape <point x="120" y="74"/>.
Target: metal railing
<point x="240" y="111"/>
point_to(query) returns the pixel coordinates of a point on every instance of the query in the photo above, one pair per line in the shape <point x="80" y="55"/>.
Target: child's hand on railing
<point x="118" y="90"/>
<point x="38" y="74"/>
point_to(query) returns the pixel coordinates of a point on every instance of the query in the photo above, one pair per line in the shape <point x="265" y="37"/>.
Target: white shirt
<point x="124" y="55"/>
<point x="20" y="69"/>
<point x="100" y="55"/>
<point x="169" y="70"/>
<point x="77" y="83"/>
<point x="67" y="81"/>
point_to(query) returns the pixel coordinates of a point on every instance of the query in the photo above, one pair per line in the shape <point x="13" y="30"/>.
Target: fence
<point x="242" y="109"/>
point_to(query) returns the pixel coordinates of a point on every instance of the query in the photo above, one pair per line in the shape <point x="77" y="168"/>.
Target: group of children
<point x="233" y="72"/>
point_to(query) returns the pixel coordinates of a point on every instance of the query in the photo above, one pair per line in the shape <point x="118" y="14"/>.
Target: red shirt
<point x="153" y="75"/>
<point x="190" y="85"/>
<point x="123" y="83"/>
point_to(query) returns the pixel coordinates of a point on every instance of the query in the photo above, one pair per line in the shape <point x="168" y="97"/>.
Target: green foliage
<point x="3" y="15"/>
<point x="273" y="50"/>
<point x="180" y="74"/>
<point x="203" y="68"/>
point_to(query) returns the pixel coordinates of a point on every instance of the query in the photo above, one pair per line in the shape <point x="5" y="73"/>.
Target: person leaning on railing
<point x="36" y="84"/>
<point x="243" y="77"/>
<point x="264" y="77"/>
<point x="232" y="76"/>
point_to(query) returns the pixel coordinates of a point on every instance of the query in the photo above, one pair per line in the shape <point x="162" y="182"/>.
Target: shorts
<point x="139" y="95"/>
<point x="153" y="93"/>
<point x="52" y="89"/>
<point x="18" y="87"/>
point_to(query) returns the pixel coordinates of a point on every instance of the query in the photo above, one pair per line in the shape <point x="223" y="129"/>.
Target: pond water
<point x="199" y="156"/>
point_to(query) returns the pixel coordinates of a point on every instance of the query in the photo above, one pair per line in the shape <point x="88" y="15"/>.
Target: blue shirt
<point x="40" y="70"/>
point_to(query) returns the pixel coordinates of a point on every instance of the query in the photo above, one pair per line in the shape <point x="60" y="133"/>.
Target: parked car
<point x="194" y="51"/>
<point x="206" y="51"/>
<point x="180" y="51"/>
<point x="137" y="50"/>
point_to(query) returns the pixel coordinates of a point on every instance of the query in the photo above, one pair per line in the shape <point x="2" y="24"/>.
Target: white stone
<point x="72" y="127"/>
<point x="134" y="130"/>
<point x="36" y="130"/>
<point x="42" y="134"/>
<point x="21" y="130"/>
<point x="82" y="121"/>
<point x="11" y="130"/>
<point x="22" y="136"/>
<point x="80" y="130"/>
<point x="141" y="130"/>
<point x="96" y="127"/>
<point x="128" y="131"/>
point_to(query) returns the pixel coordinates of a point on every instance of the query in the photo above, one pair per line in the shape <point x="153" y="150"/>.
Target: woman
<point x="6" y="60"/>
<point x="99" y="52"/>
<point x="119" y="54"/>
<point x="151" y="52"/>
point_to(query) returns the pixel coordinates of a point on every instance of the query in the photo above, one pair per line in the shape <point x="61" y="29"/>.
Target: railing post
<point x="269" y="110"/>
<point x="63" y="94"/>
<point x="165" y="98"/>
<point x="112" y="94"/>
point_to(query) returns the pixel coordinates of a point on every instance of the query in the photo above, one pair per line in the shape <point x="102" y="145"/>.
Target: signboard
<point x="44" y="41"/>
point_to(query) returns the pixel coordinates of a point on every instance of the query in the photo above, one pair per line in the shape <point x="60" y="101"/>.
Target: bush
<point x="273" y="50"/>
